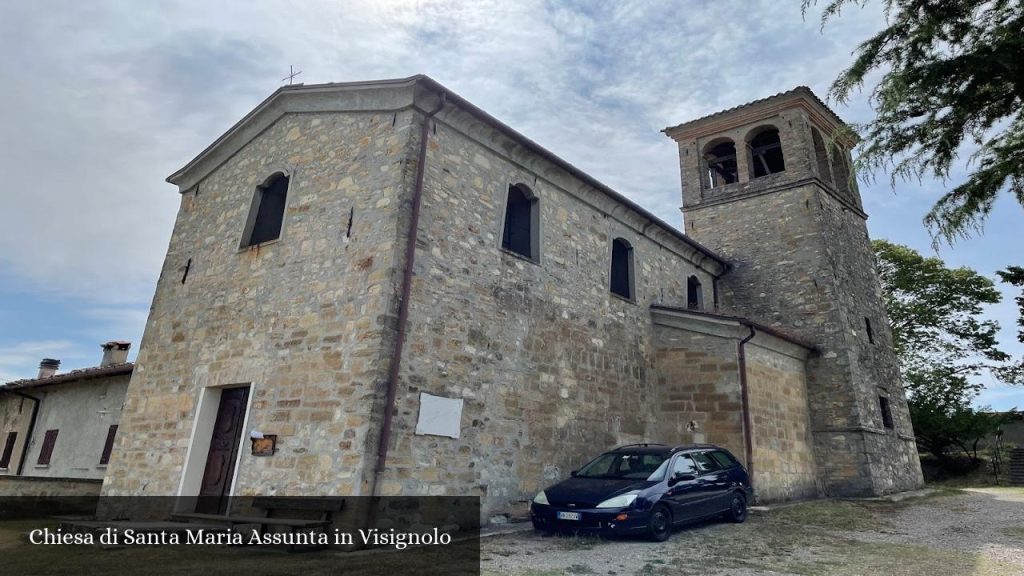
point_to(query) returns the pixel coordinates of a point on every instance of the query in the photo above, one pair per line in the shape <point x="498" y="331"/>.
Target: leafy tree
<point x="1014" y="275"/>
<point x="952" y="75"/>
<point x="942" y="343"/>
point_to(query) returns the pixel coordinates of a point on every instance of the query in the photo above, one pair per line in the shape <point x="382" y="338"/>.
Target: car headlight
<point x="541" y="498"/>
<point x="618" y="502"/>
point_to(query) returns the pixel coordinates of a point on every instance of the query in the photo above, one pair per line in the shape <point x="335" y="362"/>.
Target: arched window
<point x="841" y="171"/>
<point x="622" y="269"/>
<point x="720" y="160"/>
<point x="821" y="156"/>
<point x="267" y="211"/>
<point x="766" y="153"/>
<point x="520" y="234"/>
<point x="694" y="294"/>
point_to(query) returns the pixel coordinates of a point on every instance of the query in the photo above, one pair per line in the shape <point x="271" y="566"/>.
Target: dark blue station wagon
<point x="646" y="489"/>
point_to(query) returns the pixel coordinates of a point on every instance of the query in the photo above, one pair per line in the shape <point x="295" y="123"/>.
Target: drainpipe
<point x="748" y="436"/>
<point x="31" y="429"/>
<point x="403" y="305"/>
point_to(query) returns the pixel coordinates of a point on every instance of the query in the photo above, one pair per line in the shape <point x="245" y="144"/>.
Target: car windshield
<point x="626" y="465"/>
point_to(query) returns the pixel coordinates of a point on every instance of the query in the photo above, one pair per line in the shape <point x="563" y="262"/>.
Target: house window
<point x="49" y="440"/>
<point x="766" y="153"/>
<point x="622" y="269"/>
<point x="521" y="223"/>
<point x="108" y="446"/>
<point x="883" y="404"/>
<point x="870" y="332"/>
<point x="267" y="211"/>
<point x="720" y="159"/>
<point x="5" y="458"/>
<point x="694" y="294"/>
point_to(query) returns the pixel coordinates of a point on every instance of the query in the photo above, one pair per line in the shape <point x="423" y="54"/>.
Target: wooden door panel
<point x="224" y="444"/>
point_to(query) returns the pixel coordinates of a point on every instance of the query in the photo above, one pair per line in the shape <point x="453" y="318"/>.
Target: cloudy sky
<point x="103" y="99"/>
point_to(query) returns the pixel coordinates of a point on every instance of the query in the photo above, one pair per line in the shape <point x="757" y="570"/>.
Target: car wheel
<point x="737" y="508"/>
<point x="659" y="526"/>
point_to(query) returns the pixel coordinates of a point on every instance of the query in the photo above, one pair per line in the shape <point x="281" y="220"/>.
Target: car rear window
<point x="725" y="459"/>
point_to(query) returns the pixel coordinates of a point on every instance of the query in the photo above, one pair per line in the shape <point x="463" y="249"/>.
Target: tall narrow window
<point x="49" y="440"/>
<point x="840" y="171"/>
<point x="870" y="332"/>
<point x="694" y="294"/>
<point x="720" y="160"/>
<point x="766" y="153"/>
<point x="622" y="269"/>
<point x="821" y="156"/>
<point x="267" y="211"/>
<point x="521" y="223"/>
<point x="108" y="446"/>
<point x="5" y="458"/>
<point x="883" y="405"/>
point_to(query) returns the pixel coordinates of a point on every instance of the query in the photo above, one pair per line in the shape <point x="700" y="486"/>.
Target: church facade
<point x="403" y="295"/>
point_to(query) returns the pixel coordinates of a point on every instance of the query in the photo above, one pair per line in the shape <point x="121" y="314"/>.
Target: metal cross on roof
<point x="291" y="75"/>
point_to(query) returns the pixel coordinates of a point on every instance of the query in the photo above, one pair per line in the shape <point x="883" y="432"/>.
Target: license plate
<point x="568" y="515"/>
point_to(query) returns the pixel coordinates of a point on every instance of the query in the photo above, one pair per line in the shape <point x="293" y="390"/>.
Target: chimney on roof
<point x="115" y="352"/>
<point x="48" y="367"/>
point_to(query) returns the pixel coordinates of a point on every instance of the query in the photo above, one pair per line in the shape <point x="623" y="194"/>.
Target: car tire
<point x="737" y="508"/>
<point x="659" y="526"/>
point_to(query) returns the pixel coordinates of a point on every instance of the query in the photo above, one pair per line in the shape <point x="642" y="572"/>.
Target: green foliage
<point x="952" y="77"/>
<point x="935" y="313"/>
<point x="1014" y="275"/>
<point x="941" y="342"/>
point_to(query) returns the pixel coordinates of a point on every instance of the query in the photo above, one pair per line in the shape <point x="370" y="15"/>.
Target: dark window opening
<point x="622" y="269"/>
<point x="267" y="212"/>
<point x="766" y="153"/>
<point x="49" y="440"/>
<point x="821" y="156"/>
<point x="840" y="171"/>
<point x="108" y="446"/>
<point x="694" y="294"/>
<point x="5" y="459"/>
<point x="721" y="165"/>
<point x="520" y="233"/>
<point x="871" y="333"/>
<point x="883" y="404"/>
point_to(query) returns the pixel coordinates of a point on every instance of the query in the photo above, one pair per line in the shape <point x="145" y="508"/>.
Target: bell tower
<point x="768" y="185"/>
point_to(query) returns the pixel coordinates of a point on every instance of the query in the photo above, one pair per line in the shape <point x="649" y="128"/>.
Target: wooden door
<point x="224" y="443"/>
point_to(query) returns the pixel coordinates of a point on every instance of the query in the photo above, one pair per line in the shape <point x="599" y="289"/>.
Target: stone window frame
<point x="694" y="278"/>
<point x="707" y="180"/>
<point x="748" y="151"/>
<point x="885" y="410"/>
<point x="536" y="223"/>
<point x="631" y="268"/>
<point x="254" y="205"/>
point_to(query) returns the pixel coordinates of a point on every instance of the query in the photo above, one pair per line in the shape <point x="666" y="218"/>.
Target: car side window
<point x="724" y="459"/>
<point x="683" y="465"/>
<point x="704" y="462"/>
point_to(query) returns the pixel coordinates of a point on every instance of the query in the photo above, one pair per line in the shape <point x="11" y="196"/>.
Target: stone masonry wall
<point x="698" y="389"/>
<point x="784" y="461"/>
<point x="552" y="367"/>
<point x="305" y="319"/>
<point x="15" y="413"/>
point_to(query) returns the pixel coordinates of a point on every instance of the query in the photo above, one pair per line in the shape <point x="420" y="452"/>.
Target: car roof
<point x="663" y="449"/>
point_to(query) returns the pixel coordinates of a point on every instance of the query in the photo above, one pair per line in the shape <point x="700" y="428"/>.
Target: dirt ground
<point x="977" y="531"/>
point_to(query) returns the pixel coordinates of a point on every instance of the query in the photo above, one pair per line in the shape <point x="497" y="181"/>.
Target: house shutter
<point x="47" y="450"/>
<point x="108" y="446"/>
<point x="5" y="459"/>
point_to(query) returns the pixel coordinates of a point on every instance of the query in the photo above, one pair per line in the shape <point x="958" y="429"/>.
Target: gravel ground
<point x="978" y="532"/>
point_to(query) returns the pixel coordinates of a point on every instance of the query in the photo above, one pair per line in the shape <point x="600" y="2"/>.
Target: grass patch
<point x="841" y="515"/>
<point x="1015" y="532"/>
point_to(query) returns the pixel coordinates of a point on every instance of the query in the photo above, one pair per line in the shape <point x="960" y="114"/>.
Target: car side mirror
<point x="573" y="473"/>
<point x="682" y="477"/>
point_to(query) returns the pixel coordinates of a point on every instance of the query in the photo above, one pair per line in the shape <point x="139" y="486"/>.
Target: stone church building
<point x="403" y="295"/>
